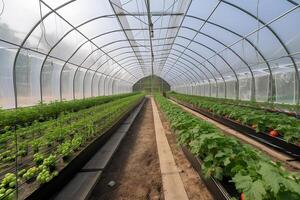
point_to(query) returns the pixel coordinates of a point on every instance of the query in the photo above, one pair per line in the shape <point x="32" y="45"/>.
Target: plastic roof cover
<point x="62" y="49"/>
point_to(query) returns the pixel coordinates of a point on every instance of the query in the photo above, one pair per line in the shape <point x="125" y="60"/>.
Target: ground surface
<point x="135" y="166"/>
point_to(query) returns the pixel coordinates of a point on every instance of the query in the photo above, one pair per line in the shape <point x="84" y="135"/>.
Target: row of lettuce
<point x="44" y="148"/>
<point x="275" y="124"/>
<point x="254" y="175"/>
<point x="43" y="112"/>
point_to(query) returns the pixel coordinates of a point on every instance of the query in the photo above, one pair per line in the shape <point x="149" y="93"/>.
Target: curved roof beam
<point x="188" y="48"/>
<point x="181" y="63"/>
<point x="87" y="41"/>
<point x="102" y="35"/>
<point x="176" y="55"/>
<point x="76" y="29"/>
<point x="23" y="43"/>
<point x="292" y="2"/>
<point x="178" y="70"/>
<point x="226" y="30"/>
<point x="247" y="40"/>
<point x="234" y="33"/>
<point x="108" y="59"/>
<point x="223" y="44"/>
<point x="235" y="53"/>
<point x="177" y="51"/>
<point x="106" y="33"/>
<point x="192" y="72"/>
<point x="212" y="50"/>
<point x="121" y="47"/>
<point x="123" y="53"/>
<point x="266" y="25"/>
<point x="210" y="14"/>
<point x="173" y="82"/>
<point x="277" y="37"/>
<point x="121" y="30"/>
<point x="83" y="34"/>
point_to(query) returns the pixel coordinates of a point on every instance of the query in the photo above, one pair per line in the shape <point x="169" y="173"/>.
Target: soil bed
<point x="135" y="166"/>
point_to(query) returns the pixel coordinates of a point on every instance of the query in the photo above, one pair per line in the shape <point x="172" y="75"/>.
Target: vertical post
<point x="237" y="90"/>
<point x="151" y="35"/>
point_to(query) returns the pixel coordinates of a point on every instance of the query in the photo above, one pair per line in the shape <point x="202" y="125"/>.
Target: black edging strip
<point x="67" y="173"/>
<point x="91" y="170"/>
<point x="214" y="186"/>
<point x="274" y="142"/>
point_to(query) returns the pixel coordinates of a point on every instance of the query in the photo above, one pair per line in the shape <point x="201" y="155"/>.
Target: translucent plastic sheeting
<point x="262" y="87"/>
<point x="65" y="49"/>
<point x="28" y="77"/>
<point x="284" y="91"/>
<point x="68" y="81"/>
<point x="6" y="80"/>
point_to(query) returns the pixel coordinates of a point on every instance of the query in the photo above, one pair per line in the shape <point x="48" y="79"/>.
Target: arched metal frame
<point x="189" y="76"/>
<point x="179" y="70"/>
<point x="177" y="51"/>
<point x="297" y="82"/>
<point x="136" y="66"/>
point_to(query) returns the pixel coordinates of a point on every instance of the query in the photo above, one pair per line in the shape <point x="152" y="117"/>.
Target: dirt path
<point x="135" y="166"/>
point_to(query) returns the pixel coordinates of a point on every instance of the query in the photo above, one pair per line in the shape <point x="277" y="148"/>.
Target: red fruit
<point x="243" y="196"/>
<point x="273" y="133"/>
<point x="271" y="129"/>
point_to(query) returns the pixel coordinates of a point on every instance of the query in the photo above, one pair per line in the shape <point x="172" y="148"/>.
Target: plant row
<point x="42" y="112"/>
<point x="270" y="106"/>
<point x="253" y="174"/>
<point x="49" y="146"/>
<point x="275" y="124"/>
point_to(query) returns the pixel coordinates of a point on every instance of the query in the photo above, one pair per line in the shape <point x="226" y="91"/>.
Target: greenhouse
<point x="150" y="99"/>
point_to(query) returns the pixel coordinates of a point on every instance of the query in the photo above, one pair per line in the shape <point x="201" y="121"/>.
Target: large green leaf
<point x="257" y="191"/>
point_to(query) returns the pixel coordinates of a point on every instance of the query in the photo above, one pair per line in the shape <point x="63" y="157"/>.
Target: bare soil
<point x="193" y="184"/>
<point x="135" y="166"/>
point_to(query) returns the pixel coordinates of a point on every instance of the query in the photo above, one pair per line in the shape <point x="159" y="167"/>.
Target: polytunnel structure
<point x="54" y="50"/>
<point x="74" y="66"/>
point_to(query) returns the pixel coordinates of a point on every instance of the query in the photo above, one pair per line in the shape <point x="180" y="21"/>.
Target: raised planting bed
<point x="220" y="190"/>
<point x="242" y="170"/>
<point x="275" y="142"/>
<point x="67" y="173"/>
<point x="287" y="109"/>
<point x="22" y="117"/>
<point x="275" y="124"/>
<point x="50" y="146"/>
